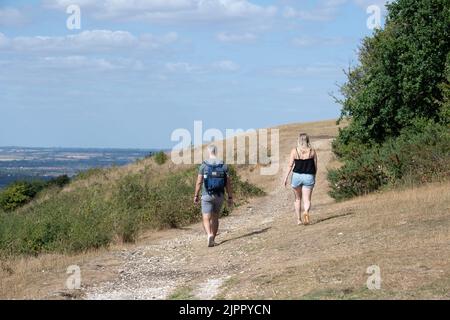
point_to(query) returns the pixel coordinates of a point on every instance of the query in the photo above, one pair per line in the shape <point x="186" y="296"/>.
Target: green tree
<point x="398" y="78"/>
<point x="16" y="195"/>
<point x="445" y="87"/>
<point x="397" y="101"/>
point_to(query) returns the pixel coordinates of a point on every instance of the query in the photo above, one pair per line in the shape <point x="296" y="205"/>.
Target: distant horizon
<point x="85" y="148"/>
<point x="160" y="149"/>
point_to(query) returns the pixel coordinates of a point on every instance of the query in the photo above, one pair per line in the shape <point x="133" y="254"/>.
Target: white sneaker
<point x="211" y="241"/>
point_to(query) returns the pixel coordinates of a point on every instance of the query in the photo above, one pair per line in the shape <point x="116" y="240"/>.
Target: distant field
<point x="18" y="163"/>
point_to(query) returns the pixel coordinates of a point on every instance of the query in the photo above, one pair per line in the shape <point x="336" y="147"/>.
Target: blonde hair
<point x="303" y="144"/>
<point x="303" y="141"/>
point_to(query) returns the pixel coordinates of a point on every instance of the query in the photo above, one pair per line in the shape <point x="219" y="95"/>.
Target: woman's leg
<point x="298" y="203"/>
<point x="307" y="194"/>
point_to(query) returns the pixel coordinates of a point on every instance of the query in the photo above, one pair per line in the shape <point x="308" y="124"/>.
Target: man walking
<point x="213" y="180"/>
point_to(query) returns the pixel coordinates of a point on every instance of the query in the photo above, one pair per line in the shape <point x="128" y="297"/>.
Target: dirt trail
<point x="180" y="263"/>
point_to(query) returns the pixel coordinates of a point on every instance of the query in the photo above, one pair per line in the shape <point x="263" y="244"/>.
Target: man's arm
<point x="198" y="186"/>
<point x="229" y="191"/>
<point x="229" y="188"/>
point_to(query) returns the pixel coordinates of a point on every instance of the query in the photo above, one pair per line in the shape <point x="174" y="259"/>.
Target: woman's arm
<point x="315" y="160"/>
<point x="290" y="166"/>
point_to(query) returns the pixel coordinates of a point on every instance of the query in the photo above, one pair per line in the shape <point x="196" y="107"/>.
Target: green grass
<point x="344" y="294"/>
<point x="182" y="293"/>
<point x="106" y="210"/>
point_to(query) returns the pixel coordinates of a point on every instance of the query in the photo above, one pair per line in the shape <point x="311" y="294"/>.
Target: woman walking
<point x="303" y="164"/>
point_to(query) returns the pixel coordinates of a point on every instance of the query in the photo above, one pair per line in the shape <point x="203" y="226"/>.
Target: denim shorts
<point x="303" y="180"/>
<point x="212" y="203"/>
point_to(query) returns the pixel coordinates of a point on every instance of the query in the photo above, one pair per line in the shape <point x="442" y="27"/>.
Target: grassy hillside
<point x="404" y="231"/>
<point x="103" y="206"/>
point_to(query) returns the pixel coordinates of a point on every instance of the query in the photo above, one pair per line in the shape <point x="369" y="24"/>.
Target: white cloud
<point x="305" y="41"/>
<point x="4" y="41"/>
<point x="327" y="9"/>
<point x="295" y="90"/>
<point x="72" y="63"/>
<point x="11" y="17"/>
<point x="172" y="11"/>
<point x="236" y="37"/>
<point x="83" y="62"/>
<point x="311" y="70"/>
<point x="366" y="3"/>
<point x="181" y="67"/>
<point x="87" y="41"/>
<point x="226" y="65"/>
<point x="78" y="62"/>
<point x="218" y="66"/>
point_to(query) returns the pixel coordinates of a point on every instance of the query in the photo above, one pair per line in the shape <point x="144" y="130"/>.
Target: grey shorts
<point x="212" y="203"/>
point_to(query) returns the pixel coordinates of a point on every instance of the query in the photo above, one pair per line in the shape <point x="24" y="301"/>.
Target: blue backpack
<point x="215" y="178"/>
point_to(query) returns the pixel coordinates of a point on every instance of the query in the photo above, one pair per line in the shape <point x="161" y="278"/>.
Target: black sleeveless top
<point x="304" y="166"/>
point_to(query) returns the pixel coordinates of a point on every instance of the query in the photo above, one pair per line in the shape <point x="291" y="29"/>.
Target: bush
<point x="96" y="215"/>
<point x="20" y="193"/>
<point x="160" y="157"/>
<point x="420" y="154"/>
<point x="59" y="181"/>
<point x="243" y="189"/>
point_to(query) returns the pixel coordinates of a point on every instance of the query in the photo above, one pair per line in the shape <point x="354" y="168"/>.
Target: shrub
<point x="20" y="193"/>
<point x="96" y="215"/>
<point x="243" y="189"/>
<point x="160" y="157"/>
<point x="17" y="194"/>
<point x="59" y="181"/>
<point x="420" y="154"/>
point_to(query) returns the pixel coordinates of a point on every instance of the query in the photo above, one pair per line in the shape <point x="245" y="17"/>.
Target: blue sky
<point x="137" y="70"/>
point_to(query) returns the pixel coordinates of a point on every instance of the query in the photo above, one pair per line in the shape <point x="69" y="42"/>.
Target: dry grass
<point x="406" y="233"/>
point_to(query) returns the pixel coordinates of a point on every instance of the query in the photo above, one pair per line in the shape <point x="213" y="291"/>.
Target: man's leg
<point x="218" y="203"/>
<point x="214" y="224"/>
<point x="207" y="212"/>
<point x="207" y="217"/>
